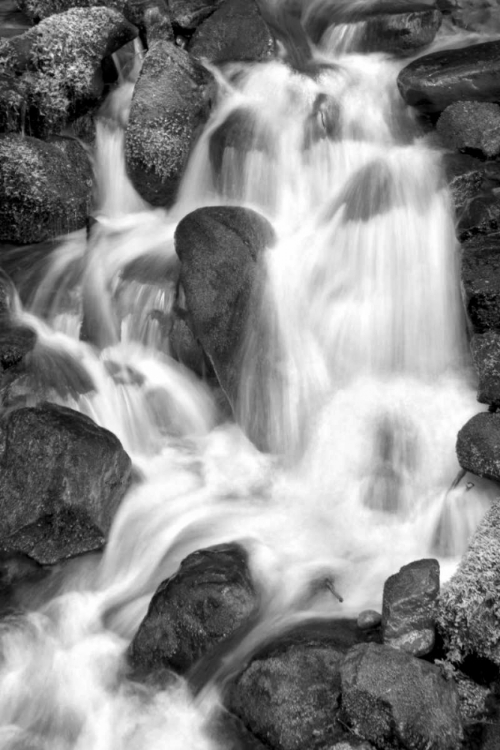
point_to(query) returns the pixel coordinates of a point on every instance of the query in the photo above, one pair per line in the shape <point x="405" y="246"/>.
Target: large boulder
<point x="56" y="66"/>
<point x="45" y="188"/>
<point x="395" y="700"/>
<point x="469" y="606"/>
<point x="478" y="445"/>
<point x="289" y="694"/>
<point x="62" y="478"/>
<point x="433" y="82"/>
<point x="409" y="607"/>
<point x="171" y="102"/>
<point x="481" y="281"/>
<point x="220" y="249"/>
<point x="235" y="31"/>
<point x="485" y="350"/>
<point x="204" y="603"/>
<point x="471" y="125"/>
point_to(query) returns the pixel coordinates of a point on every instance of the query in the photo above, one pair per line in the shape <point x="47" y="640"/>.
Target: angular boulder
<point x="62" y="478"/>
<point x="433" y="82"/>
<point x="481" y="281"/>
<point x="469" y="604"/>
<point x="235" y="31"/>
<point x="45" y="188"/>
<point x="485" y="350"/>
<point x="58" y="64"/>
<point x="478" y="445"/>
<point x="393" y="699"/>
<point x="204" y="603"/>
<point x="171" y="102"/>
<point x="409" y="608"/>
<point x="471" y="125"/>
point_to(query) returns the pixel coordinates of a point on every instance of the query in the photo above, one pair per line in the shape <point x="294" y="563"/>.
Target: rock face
<point x="409" y="607"/>
<point x="62" y="479"/>
<point x="204" y="603"/>
<point x="400" y="33"/>
<point x="219" y="248"/>
<point x="478" y="445"/>
<point x="56" y="67"/>
<point x="468" y="615"/>
<point x="235" y="31"/>
<point x="45" y="188"/>
<point x="486" y="356"/>
<point x="171" y="102"/>
<point x="471" y="125"/>
<point x="394" y="700"/>
<point x="464" y="175"/>
<point x="188" y="14"/>
<point x="433" y="82"/>
<point x="481" y="281"/>
<point x="15" y="342"/>
<point x="289" y="694"/>
<point x="37" y="10"/>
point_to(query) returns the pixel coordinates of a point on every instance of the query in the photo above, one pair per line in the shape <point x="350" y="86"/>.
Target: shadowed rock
<point x="481" y="282"/>
<point x="485" y="350"/>
<point x="478" y="445"/>
<point x="471" y="125"/>
<point x="464" y="176"/>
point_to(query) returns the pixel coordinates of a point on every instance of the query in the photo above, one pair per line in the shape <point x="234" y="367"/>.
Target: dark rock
<point x="464" y="175"/>
<point x="62" y="478"/>
<point x="468" y="615"/>
<point x="235" y="31"/>
<point x="481" y="282"/>
<point x="481" y="216"/>
<point x="289" y="694"/>
<point x="409" y="607"/>
<point x="433" y="82"/>
<point x="400" y="33"/>
<point x="478" y="445"/>
<point x="15" y="343"/>
<point x="229" y="733"/>
<point x="185" y="348"/>
<point x="393" y="699"/>
<point x="59" y="66"/>
<point x="204" y="603"/>
<point x="471" y="125"/>
<point x="369" y="619"/>
<point x="241" y="131"/>
<point x="188" y="14"/>
<point x="170" y="104"/>
<point x="219" y="248"/>
<point x="16" y="572"/>
<point x="486" y="356"/>
<point x="45" y="188"/>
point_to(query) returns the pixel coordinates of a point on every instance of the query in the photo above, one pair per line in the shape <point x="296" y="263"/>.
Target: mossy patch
<point x="37" y="10"/>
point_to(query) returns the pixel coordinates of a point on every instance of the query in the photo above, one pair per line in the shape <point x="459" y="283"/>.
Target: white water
<point x="366" y="387"/>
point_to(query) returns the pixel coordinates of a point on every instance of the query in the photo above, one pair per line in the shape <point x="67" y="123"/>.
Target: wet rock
<point x="15" y="342"/>
<point x="471" y="125"/>
<point x="204" y="603"/>
<point x="185" y="348"/>
<point x="37" y="10"/>
<point x="62" y="478"/>
<point x="229" y="733"/>
<point x="481" y="215"/>
<point x="476" y="15"/>
<point x="58" y="63"/>
<point x="478" y="445"/>
<point x="486" y="357"/>
<point x="188" y="14"/>
<point x="464" y="175"/>
<point x="45" y="188"/>
<point x="171" y="102"/>
<point x="433" y="82"/>
<point x="369" y="619"/>
<point x="409" y="607"/>
<point x="393" y="699"/>
<point x="219" y="248"/>
<point x="481" y="282"/>
<point x="235" y="31"/>
<point x="468" y="614"/>
<point x="16" y="571"/>
<point x="289" y="694"/>
<point x="400" y="33"/>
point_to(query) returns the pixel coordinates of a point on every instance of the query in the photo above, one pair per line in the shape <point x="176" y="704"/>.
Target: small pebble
<point x="369" y="619"/>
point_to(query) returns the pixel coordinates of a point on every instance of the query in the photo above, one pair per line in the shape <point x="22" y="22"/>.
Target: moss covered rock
<point x="471" y="125"/>
<point x="37" y="10"/>
<point x="45" y="188"/>
<point x="56" y="67"/>
<point x="171" y="102"/>
<point x="469" y="605"/>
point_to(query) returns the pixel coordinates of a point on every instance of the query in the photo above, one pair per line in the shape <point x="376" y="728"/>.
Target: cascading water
<point x="364" y="386"/>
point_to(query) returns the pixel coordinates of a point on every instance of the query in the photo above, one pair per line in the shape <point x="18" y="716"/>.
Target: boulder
<point x="469" y="604"/>
<point x="481" y="215"/>
<point x="400" y="33"/>
<point x="471" y="125"/>
<point x="188" y="14"/>
<point x="61" y="480"/>
<point x="15" y="342"/>
<point x="45" y="188"/>
<point x="485" y="349"/>
<point x="220" y="250"/>
<point x="409" y="607"/>
<point x="393" y="699"/>
<point x="204" y="603"/>
<point x="235" y="31"/>
<point x="464" y="176"/>
<point x="433" y="82"/>
<point x="481" y="282"/>
<point x="478" y="445"/>
<point x="57" y="66"/>
<point x="289" y="694"/>
<point x="37" y="10"/>
<point x="476" y="15"/>
<point x="369" y="619"/>
<point x="16" y="572"/>
<point x="171" y="102"/>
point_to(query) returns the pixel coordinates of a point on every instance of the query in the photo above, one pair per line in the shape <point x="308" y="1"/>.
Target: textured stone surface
<point x="433" y="82"/>
<point x="476" y="15"/>
<point x="62" y="478"/>
<point x="204" y="603"/>
<point x="486" y="356"/>
<point x="478" y="445"/>
<point x="369" y="619"/>
<point x="37" y="10"/>
<point x="481" y="216"/>
<point x="464" y="175"/>
<point x="471" y="125"/>
<point x="188" y="14"/>
<point x="409" y="607"/>
<point x="395" y="700"/>
<point x="481" y="282"/>
<point x="400" y="33"/>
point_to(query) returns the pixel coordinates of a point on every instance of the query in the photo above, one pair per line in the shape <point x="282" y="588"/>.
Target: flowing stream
<point x="367" y="383"/>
